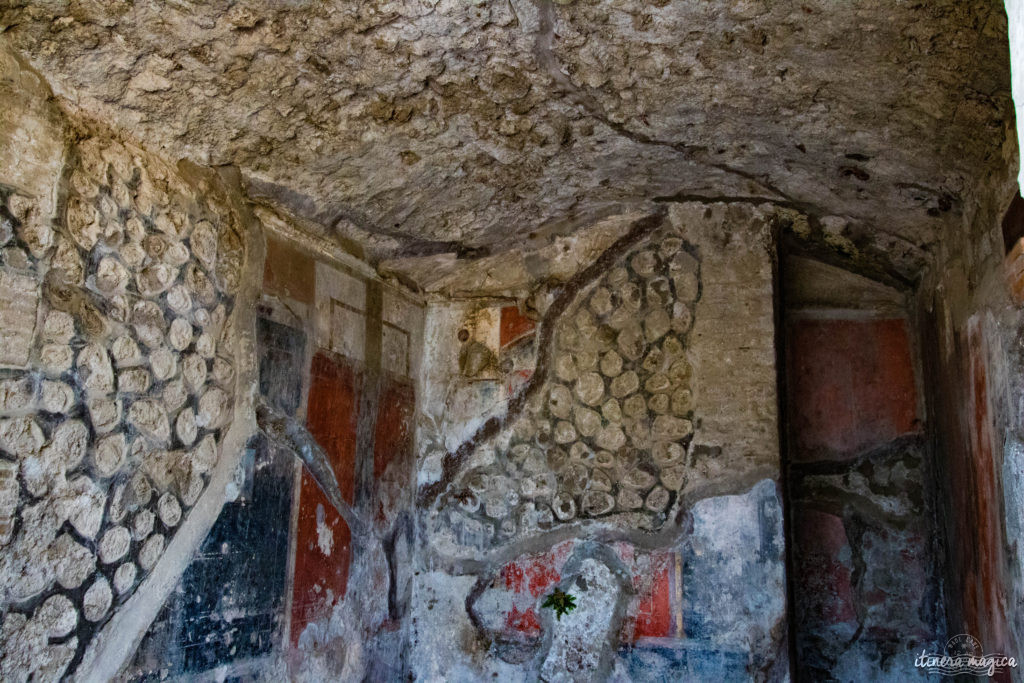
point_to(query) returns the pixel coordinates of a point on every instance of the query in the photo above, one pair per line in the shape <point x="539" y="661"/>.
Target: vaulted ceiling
<point x="473" y="126"/>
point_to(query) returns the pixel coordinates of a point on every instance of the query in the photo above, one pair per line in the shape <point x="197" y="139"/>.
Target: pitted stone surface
<point x="114" y="544"/>
<point x="409" y="121"/>
<point x="73" y="562"/>
<point x="57" y="616"/>
<point x="124" y="578"/>
<point x="169" y="509"/>
<point x="150" y="551"/>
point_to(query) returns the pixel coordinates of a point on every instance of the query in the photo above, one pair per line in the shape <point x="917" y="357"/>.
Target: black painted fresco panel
<point x="229" y="605"/>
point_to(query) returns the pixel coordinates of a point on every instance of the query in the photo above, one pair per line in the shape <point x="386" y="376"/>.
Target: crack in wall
<point x="599" y="531"/>
<point x="585" y="100"/>
<point x="544" y="47"/>
<point x="481" y="567"/>
<point x="364" y="236"/>
<point x="453" y="461"/>
<point x="291" y="435"/>
<point x="596" y="529"/>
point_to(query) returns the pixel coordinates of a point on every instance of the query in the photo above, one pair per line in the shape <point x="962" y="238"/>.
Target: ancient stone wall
<point x="299" y="579"/>
<point x="607" y="434"/>
<point x="619" y="422"/>
<point x="971" y="327"/>
<point x="119" y="275"/>
<point x="132" y="467"/>
<point x="350" y="577"/>
<point x="866" y="587"/>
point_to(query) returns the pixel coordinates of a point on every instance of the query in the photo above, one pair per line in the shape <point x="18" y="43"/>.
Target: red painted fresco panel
<point x="852" y="385"/>
<point x="525" y="622"/>
<point x="393" y="434"/>
<point x="514" y="325"/>
<point x="320" y="578"/>
<point x="650" y="614"/>
<point x="322" y="538"/>
<point x="653" y="615"/>
<point x="533" y="575"/>
<point x="392" y="449"/>
<point x="333" y="413"/>
<point x="978" y="503"/>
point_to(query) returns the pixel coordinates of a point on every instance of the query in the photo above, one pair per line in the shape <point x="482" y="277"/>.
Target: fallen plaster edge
<point x="599" y="530"/>
<point x="112" y="648"/>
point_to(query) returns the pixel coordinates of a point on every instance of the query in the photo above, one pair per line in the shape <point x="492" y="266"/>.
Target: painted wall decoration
<point x="264" y="588"/>
<point x="591" y="410"/>
<point x="864" y="541"/>
<point x="393" y="447"/>
<point x="322" y="536"/>
<point x="349" y="586"/>
<point x="230" y="604"/>
<point x="984" y="603"/>
<point x="578" y="456"/>
<point x="855" y="384"/>
<point x="607" y="433"/>
<point x="277" y="567"/>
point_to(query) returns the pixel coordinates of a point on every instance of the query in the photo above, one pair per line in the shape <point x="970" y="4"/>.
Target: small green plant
<point x="561" y="602"/>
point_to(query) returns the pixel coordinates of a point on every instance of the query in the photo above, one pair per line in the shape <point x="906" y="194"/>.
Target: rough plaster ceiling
<point x="429" y="126"/>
